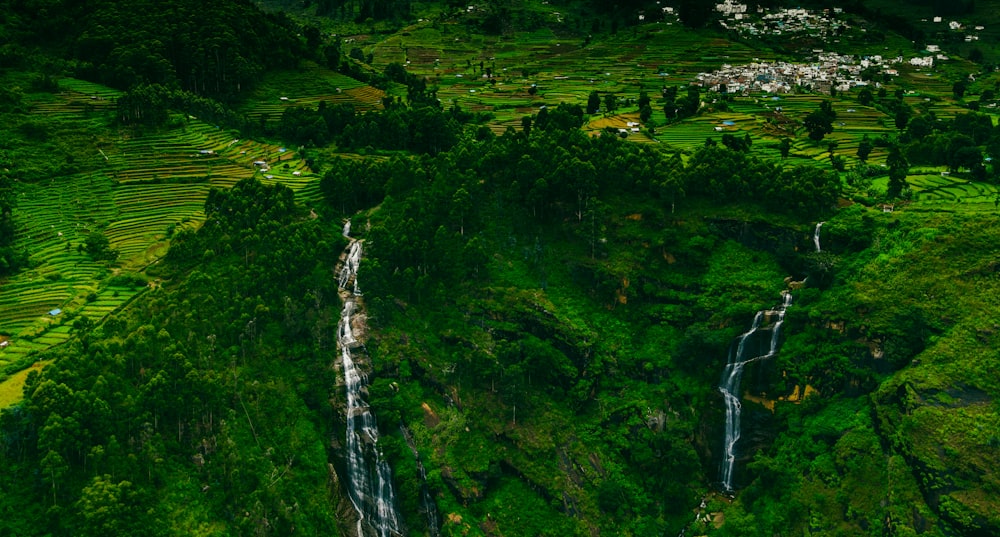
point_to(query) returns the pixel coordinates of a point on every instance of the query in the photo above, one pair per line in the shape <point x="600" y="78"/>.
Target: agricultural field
<point x="768" y="118"/>
<point x="943" y="192"/>
<point x="307" y="86"/>
<point x="557" y="66"/>
<point x="554" y="64"/>
<point x="142" y="189"/>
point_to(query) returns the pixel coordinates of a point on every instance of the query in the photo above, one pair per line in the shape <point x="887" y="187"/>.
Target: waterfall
<point x="369" y="475"/>
<point x="729" y="386"/>
<point x="348" y="273"/>
<point x="427" y="503"/>
<point x="816" y="236"/>
<point x="347" y="229"/>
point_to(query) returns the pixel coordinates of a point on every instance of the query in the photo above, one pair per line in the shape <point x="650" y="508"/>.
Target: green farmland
<point x="142" y="188"/>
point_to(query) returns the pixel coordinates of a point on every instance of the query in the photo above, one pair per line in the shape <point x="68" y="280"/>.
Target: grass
<point x="11" y="388"/>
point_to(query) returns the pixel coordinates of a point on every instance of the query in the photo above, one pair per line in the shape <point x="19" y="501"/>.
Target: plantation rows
<point x="149" y="186"/>
<point x="76" y="97"/>
<point x="568" y="70"/>
<point x="307" y="87"/>
<point x="562" y="70"/>
<point x="692" y="132"/>
<point x="928" y="187"/>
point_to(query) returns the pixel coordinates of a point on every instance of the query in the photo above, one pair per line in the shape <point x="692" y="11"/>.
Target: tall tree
<point x="593" y="102"/>
<point x="692" y="102"/>
<point x="865" y="147"/>
<point x="958" y="88"/>
<point x="610" y="102"/>
<point x="819" y="123"/>
<point x="898" y="168"/>
<point x="669" y="94"/>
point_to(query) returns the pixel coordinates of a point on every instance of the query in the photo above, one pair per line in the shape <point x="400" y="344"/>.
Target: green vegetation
<point x="563" y="236"/>
<point x="116" y="415"/>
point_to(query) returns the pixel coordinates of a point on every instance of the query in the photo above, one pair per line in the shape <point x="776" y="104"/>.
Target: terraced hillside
<point x="141" y="190"/>
<point x="554" y="63"/>
<point x="307" y="86"/>
<point x="513" y="74"/>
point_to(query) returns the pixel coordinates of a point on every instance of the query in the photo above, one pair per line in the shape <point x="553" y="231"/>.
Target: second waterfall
<point x="759" y="342"/>
<point x="369" y="475"/>
<point x="753" y="345"/>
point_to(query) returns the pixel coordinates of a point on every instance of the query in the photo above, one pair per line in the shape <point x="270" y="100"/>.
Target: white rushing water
<point x="369" y="475"/>
<point x="747" y="345"/>
<point x="816" y="236"/>
<point x="349" y="272"/>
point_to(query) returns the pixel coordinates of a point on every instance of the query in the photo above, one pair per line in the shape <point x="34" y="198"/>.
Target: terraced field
<point x="76" y="97"/>
<point x="947" y="193"/>
<point x="307" y="86"/>
<point x="140" y="189"/>
<point x="143" y="188"/>
<point x="561" y="69"/>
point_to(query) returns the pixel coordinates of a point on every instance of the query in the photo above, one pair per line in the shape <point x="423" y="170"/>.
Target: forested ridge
<point x="541" y="313"/>
<point x="216" y="49"/>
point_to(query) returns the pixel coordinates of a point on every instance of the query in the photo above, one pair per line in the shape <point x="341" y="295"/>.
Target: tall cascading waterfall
<point x="816" y="236"/>
<point x="369" y="475"/>
<point x="744" y="353"/>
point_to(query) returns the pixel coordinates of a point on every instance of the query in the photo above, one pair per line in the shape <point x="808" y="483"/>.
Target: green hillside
<point x="535" y="241"/>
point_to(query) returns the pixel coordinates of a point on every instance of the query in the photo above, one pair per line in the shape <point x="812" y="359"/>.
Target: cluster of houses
<point x="956" y="26"/>
<point x="745" y="21"/>
<point x="827" y="25"/>
<point x="631" y="127"/>
<point x="830" y="70"/>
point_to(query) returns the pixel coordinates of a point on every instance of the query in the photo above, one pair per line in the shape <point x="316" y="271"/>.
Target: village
<point x="739" y="18"/>
<point x="828" y="24"/>
<point x="828" y="72"/>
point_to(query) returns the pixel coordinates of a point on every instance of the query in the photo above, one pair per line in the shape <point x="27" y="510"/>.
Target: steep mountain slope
<point x="547" y="315"/>
<point x="590" y="379"/>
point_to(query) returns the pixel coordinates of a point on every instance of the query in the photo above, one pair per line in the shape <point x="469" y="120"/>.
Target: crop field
<point x="137" y="190"/>
<point x="768" y="118"/>
<point x="945" y="192"/>
<point x="10" y="389"/>
<point x="144" y="188"/>
<point x="557" y="69"/>
<point x="75" y="97"/>
<point x="560" y="69"/>
<point x="307" y="86"/>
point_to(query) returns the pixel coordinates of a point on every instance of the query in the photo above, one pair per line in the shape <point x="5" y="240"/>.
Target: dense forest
<point x="544" y="305"/>
<point x="217" y="49"/>
<point x="116" y="418"/>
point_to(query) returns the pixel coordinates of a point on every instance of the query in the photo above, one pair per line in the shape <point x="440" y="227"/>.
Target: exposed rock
<point x="431" y="419"/>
